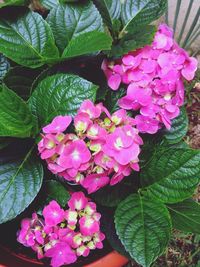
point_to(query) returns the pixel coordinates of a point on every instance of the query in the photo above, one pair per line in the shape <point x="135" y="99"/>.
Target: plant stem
<point x="191" y="28"/>
<point x="185" y="20"/>
<point x="178" y="5"/>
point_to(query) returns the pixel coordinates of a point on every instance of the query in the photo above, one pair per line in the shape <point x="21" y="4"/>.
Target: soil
<point x="193" y="109"/>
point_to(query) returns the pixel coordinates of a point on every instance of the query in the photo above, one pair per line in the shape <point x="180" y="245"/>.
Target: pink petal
<point x="189" y="69"/>
<point x="59" y="124"/>
<point x="114" y="81"/>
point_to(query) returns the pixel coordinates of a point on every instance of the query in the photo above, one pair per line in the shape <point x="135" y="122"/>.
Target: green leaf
<point x="49" y="4"/>
<point x="60" y="94"/>
<point x="20" y="182"/>
<point x="110" y="10"/>
<point x="136" y="13"/>
<point x="70" y="1"/>
<point x="56" y="191"/>
<point x="112" y="99"/>
<point x="134" y="40"/>
<point x="20" y="80"/>
<point x="186" y="216"/>
<point x="87" y="43"/>
<point x="68" y="21"/>
<point x="4" y="66"/>
<point x="172" y="174"/>
<point x="13" y="3"/>
<point x="27" y="39"/>
<point x="16" y="119"/>
<point x="143" y="225"/>
<point x="178" y="129"/>
<point x="111" y="196"/>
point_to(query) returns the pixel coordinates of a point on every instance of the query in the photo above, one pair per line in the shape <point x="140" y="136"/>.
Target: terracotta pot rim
<point x="110" y="257"/>
<point x="21" y="256"/>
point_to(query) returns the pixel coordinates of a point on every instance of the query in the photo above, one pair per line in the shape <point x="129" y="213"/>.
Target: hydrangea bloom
<point x="103" y="150"/>
<point x="63" y="235"/>
<point x="154" y="76"/>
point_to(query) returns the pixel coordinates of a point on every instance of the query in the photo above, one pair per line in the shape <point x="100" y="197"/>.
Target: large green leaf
<point x="13" y="3"/>
<point x="112" y="99"/>
<point x="16" y="119"/>
<point x="27" y="39"/>
<point x="20" y="182"/>
<point x="111" y="196"/>
<point x="56" y="191"/>
<point x="20" y="80"/>
<point x="143" y="225"/>
<point x="87" y="43"/>
<point x="172" y="174"/>
<point x="136" y="13"/>
<point x="49" y="4"/>
<point x="133" y="40"/>
<point x="69" y="21"/>
<point x="60" y="94"/>
<point x="186" y="216"/>
<point x="4" y="66"/>
<point x="110" y="10"/>
<point x="178" y="129"/>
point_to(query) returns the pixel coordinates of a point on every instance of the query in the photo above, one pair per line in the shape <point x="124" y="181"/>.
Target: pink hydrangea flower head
<point x="74" y="155"/>
<point x="77" y="240"/>
<point x="61" y="254"/>
<point x="121" y="172"/>
<point x="96" y="132"/>
<point x="189" y="68"/>
<point x="94" y="182"/>
<point x="39" y="235"/>
<point x="82" y="251"/>
<point x="104" y="161"/>
<point x="168" y="62"/>
<point x="88" y="226"/>
<point x="131" y="62"/>
<point x="63" y="238"/>
<point x="53" y="214"/>
<point x="78" y="201"/>
<point x="28" y="233"/>
<point x="154" y="78"/>
<point x="81" y="157"/>
<point x="150" y="110"/>
<point x="26" y="238"/>
<point x="114" y="81"/>
<point x="81" y="122"/>
<point x="58" y="125"/>
<point x="71" y="217"/>
<point x="90" y="208"/>
<point x="148" y="66"/>
<point x="135" y="98"/>
<point x="146" y="125"/>
<point x="121" y="146"/>
<point x="98" y="238"/>
<point x="47" y="146"/>
<point x="39" y="251"/>
<point x="89" y="108"/>
<point x="114" y="78"/>
<point x="119" y="116"/>
<point x="162" y="41"/>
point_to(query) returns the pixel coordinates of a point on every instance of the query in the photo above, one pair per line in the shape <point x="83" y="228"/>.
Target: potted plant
<point x="92" y="116"/>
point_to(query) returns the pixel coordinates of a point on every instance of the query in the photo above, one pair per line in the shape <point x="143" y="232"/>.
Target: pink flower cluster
<point x="63" y="235"/>
<point x="104" y="146"/>
<point x="154" y="75"/>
